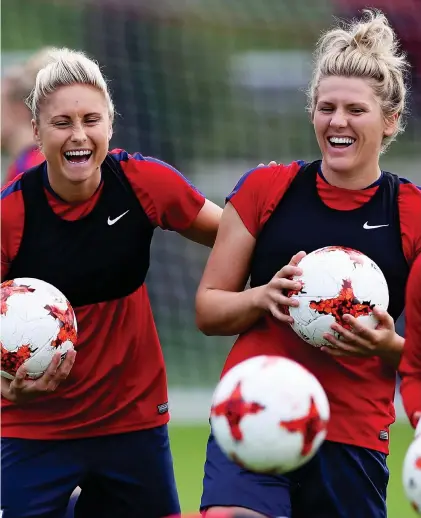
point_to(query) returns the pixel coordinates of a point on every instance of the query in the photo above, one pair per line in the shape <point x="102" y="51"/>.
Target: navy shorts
<point x="127" y="475"/>
<point x="341" y="481"/>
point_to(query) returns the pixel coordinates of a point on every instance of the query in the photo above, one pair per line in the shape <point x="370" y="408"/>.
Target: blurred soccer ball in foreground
<point x="412" y="474"/>
<point x="269" y="414"/>
<point x="37" y="321"/>
<point x="336" y="281"/>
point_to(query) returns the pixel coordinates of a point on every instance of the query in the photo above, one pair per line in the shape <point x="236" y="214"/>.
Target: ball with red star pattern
<point x="37" y="321"/>
<point x="336" y="281"/>
<point x="269" y="414"/>
<point x="411" y="474"/>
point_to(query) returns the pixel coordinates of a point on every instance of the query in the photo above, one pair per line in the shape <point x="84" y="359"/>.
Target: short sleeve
<point x="12" y="221"/>
<point x="259" y="191"/>
<point x="170" y="200"/>
<point x="410" y="219"/>
<point x="410" y="368"/>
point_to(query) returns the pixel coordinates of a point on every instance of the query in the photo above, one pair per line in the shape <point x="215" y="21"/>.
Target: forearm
<point x="410" y="389"/>
<point x="394" y="354"/>
<point x="226" y="313"/>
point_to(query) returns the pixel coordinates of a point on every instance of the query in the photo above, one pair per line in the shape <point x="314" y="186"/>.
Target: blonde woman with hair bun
<point x="274" y="215"/>
<point x="83" y="220"/>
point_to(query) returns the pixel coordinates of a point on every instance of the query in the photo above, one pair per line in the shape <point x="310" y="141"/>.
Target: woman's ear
<point x="35" y="132"/>
<point x="391" y="125"/>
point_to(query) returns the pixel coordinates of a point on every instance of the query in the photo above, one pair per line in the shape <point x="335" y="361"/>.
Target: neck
<point x="354" y="179"/>
<point x="21" y="140"/>
<point x="74" y="192"/>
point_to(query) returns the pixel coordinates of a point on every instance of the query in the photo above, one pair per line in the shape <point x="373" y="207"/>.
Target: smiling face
<point x="74" y="130"/>
<point x="349" y="126"/>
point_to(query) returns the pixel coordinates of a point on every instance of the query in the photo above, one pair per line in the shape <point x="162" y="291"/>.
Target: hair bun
<point x="373" y="34"/>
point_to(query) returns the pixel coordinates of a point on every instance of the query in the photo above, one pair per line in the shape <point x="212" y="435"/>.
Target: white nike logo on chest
<point x="112" y="221"/>
<point x="366" y="226"/>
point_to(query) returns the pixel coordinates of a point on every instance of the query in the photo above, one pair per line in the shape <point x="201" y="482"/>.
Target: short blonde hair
<point x="366" y="49"/>
<point x="67" y="67"/>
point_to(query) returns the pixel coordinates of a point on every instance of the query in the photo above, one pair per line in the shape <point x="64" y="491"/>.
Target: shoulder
<point x="410" y="197"/>
<point x="138" y="163"/>
<point x="149" y="173"/>
<point x="407" y="186"/>
<point x="12" y="220"/>
<point x="12" y="191"/>
<point x="12" y="204"/>
<point x="264" y="178"/>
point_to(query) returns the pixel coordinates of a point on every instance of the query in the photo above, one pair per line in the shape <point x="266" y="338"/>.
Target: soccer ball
<point x="37" y="321"/>
<point x="336" y="281"/>
<point x="269" y="414"/>
<point x="411" y="475"/>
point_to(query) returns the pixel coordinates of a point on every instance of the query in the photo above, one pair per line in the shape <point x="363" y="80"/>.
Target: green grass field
<point x="188" y="447"/>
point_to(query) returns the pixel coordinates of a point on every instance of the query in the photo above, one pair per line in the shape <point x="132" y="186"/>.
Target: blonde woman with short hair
<point x="83" y="221"/>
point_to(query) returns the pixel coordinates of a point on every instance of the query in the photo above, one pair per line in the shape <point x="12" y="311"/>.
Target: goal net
<point x="213" y="87"/>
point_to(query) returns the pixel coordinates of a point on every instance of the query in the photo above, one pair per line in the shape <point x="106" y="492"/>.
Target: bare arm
<point x="222" y="307"/>
<point x="205" y="226"/>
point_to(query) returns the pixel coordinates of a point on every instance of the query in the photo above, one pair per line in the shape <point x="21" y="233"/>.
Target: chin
<point x="340" y="164"/>
<point x="79" y="177"/>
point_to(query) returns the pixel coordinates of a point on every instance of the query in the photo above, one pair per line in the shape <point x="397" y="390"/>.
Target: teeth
<point x="78" y="153"/>
<point x="341" y="140"/>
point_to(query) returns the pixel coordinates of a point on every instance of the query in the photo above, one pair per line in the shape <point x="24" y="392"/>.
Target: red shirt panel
<point x="410" y="368"/>
<point x="360" y="391"/>
<point x="118" y="380"/>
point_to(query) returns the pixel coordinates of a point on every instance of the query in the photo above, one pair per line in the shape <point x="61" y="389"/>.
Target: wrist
<point x="256" y="295"/>
<point x="397" y="344"/>
<point x="393" y="354"/>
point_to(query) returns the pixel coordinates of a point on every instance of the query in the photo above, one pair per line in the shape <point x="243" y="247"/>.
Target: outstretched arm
<point x="204" y="228"/>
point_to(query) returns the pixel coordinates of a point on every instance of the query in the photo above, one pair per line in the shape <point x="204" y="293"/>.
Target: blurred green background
<point x="213" y="87"/>
<point x="189" y="443"/>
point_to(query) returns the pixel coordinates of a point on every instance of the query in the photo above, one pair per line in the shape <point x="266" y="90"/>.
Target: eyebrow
<point x="357" y="103"/>
<point x="68" y="117"/>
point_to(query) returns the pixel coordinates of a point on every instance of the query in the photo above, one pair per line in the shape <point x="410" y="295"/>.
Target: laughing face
<point x="349" y="126"/>
<point x="74" y="130"/>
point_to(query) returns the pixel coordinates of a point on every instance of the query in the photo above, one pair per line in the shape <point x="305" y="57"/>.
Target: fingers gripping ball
<point x="336" y="281"/>
<point x="269" y="414"/>
<point x="37" y="321"/>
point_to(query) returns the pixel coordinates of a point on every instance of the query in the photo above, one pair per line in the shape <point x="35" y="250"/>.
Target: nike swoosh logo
<point x="112" y="221"/>
<point x="369" y="227"/>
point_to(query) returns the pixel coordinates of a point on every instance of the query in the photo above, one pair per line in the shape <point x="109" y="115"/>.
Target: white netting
<point x="212" y="87"/>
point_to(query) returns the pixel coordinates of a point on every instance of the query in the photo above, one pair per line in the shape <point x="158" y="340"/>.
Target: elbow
<point x="204" y="324"/>
<point x="203" y="316"/>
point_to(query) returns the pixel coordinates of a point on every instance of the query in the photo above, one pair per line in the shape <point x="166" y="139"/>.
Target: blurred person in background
<point x="410" y="368"/>
<point x="404" y="16"/>
<point x="83" y="220"/>
<point x="17" y="138"/>
<point x="356" y="99"/>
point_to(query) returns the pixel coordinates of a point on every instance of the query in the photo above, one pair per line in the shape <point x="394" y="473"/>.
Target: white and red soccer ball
<point x="411" y="474"/>
<point x="336" y="281"/>
<point x="269" y="414"/>
<point x="37" y="321"/>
